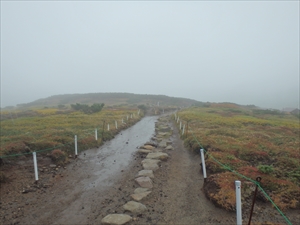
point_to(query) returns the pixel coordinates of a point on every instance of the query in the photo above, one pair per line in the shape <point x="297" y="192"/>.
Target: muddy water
<point x="96" y="171"/>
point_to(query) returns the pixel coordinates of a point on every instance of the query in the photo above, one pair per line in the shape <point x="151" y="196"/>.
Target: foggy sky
<point x="233" y="51"/>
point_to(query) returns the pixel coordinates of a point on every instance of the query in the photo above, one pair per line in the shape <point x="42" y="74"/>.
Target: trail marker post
<point x="183" y="129"/>
<point x="96" y="134"/>
<point x="116" y="124"/>
<point x="203" y="163"/>
<point x="35" y="167"/>
<point x="108" y="127"/>
<point x="238" y="202"/>
<point x="75" y="141"/>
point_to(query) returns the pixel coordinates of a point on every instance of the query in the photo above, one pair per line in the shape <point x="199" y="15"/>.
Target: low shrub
<point x="58" y="157"/>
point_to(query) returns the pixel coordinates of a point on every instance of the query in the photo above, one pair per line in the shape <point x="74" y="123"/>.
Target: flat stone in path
<point x="144" y="182"/>
<point x="169" y="147"/>
<point x="116" y="219"/>
<point x="140" y="190"/>
<point x="157" y="155"/>
<point x="148" y="147"/>
<point x="151" y="161"/>
<point x="150" y="164"/>
<point x="134" y="207"/>
<point x="145" y="173"/>
<point x="140" y="196"/>
<point x="162" y="144"/>
<point x="144" y="151"/>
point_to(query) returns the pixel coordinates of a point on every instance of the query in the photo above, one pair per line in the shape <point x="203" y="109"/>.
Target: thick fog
<point x="246" y="52"/>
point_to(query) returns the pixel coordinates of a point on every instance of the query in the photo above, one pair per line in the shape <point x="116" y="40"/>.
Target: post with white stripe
<point x="35" y="167"/>
<point x="96" y="134"/>
<point x="238" y="202"/>
<point x="76" y="153"/>
<point x="203" y="163"/>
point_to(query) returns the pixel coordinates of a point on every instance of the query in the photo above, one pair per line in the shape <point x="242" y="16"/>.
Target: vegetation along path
<point x="102" y="183"/>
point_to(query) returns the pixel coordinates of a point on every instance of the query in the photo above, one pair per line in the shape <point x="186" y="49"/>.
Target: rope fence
<point x="227" y="167"/>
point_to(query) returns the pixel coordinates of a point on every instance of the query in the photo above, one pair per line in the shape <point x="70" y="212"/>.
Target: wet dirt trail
<point x="74" y="197"/>
<point x="100" y="181"/>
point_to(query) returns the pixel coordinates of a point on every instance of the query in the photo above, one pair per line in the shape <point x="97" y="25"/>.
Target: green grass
<point x="50" y="128"/>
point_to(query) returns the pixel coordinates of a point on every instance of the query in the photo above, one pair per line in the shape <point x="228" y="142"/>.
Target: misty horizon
<point x="241" y="52"/>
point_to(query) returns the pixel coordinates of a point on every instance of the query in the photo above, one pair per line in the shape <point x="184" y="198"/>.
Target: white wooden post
<point x="238" y="202"/>
<point x="108" y="126"/>
<point x="35" y="167"/>
<point x="76" y="153"/>
<point x="96" y="134"/>
<point x="175" y="116"/>
<point x="116" y="124"/>
<point x="177" y="119"/>
<point x="180" y="126"/>
<point x="203" y="163"/>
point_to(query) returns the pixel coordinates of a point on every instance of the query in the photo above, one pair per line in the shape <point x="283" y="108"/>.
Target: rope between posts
<point x="247" y="178"/>
<point x="85" y="134"/>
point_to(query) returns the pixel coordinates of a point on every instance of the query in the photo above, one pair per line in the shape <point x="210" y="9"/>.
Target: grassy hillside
<point x="110" y="99"/>
<point x="47" y="129"/>
<point x="249" y="142"/>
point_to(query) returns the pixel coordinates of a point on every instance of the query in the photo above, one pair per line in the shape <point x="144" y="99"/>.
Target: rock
<point x="148" y="147"/>
<point x="158" y="155"/>
<point x="144" y="182"/>
<point x="169" y="142"/>
<point x="134" y="207"/>
<point x="169" y="147"/>
<point x="116" y="219"/>
<point x="151" y="161"/>
<point x="52" y="165"/>
<point x="145" y="173"/>
<point x="144" y="151"/>
<point x="150" y="164"/>
<point x="140" y="190"/>
<point x="162" y="144"/>
<point x="140" y="196"/>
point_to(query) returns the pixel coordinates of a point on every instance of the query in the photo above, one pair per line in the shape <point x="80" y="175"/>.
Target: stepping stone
<point x="158" y="155"/>
<point x="162" y="144"/>
<point x="169" y="142"/>
<point x="150" y="164"/>
<point x="151" y="161"/>
<point x="144" y="151"/>
<point x="134" y="207"/>
<point x="148" y="147"/>
<point x="116" y="219"/>
<point x="144" y="182"/>
<point x="140" y="190"/>
<point x="169" y="147"/>
<point x="140" y="196"/>
<point x="145" y="173"/>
